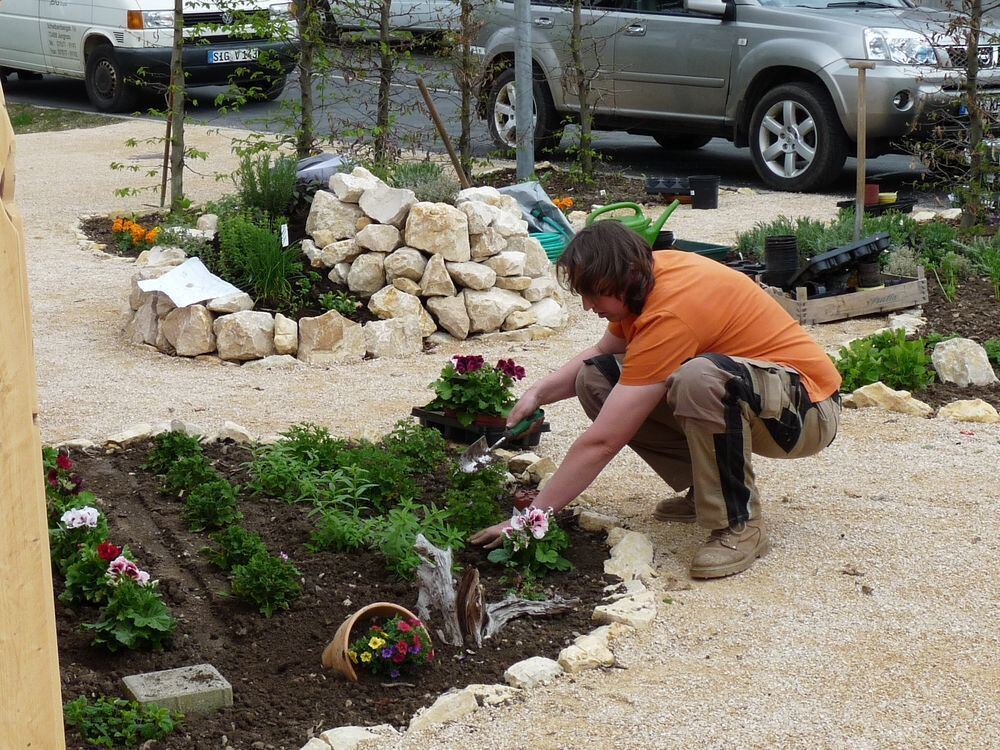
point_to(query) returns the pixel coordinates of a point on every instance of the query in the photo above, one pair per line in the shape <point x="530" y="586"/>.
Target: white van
<point x="114" y="45"/>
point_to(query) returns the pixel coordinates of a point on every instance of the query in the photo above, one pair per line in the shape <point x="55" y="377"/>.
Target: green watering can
<point x="638" y="222"/>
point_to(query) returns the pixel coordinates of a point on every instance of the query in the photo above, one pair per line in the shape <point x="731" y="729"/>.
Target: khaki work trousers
<point x="718" y="411"/>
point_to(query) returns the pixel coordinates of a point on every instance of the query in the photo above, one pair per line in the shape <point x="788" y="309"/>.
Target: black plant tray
<point x="456" y="432"/>
<point x="667" y="186"/>
<point x="903" y="206"/>
<point x="840" y="259"/>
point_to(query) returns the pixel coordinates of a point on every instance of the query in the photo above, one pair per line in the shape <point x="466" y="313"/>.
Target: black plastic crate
<point x="456" y="432"/>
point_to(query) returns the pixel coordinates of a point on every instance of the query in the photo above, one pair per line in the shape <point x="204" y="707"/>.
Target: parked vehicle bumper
<point x="152" y="64"/>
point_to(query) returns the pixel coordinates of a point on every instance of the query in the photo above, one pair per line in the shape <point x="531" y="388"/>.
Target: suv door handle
<point x="544" y="22"/>
<point x="635" y="29"/>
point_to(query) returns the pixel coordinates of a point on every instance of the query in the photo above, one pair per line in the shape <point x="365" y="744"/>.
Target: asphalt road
<point x="349" y="98"/>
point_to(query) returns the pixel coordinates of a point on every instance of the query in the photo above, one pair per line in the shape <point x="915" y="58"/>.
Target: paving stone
<point x="197" y="689"/>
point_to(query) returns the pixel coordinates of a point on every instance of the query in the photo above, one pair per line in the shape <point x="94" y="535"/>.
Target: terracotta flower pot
<point x="335" y="654"/>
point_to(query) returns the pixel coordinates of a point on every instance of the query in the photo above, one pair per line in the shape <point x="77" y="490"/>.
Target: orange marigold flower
<point x="117" y="226"/>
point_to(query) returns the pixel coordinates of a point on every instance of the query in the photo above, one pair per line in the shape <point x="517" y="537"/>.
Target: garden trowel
<point x="480" y="453"/>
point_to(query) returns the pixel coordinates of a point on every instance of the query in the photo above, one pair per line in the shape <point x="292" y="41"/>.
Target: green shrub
<point x="187" y="473"/>
<point x="888" y="357"/>
<point x="252" y="257"/>
<point x="424" y="448"/>
<point x="169" y="447"/>
<point x="389" y="476"/>
<point x="235" y="546"/>
<point x="113" y="722"/>
<point x="427" y="180"/>
<point x="992" y="347"/>
<point x="267" y="582"/>
<point x="473" y="500"/>
<point x="211" y="505"/>
<point x="394" y="533"/>
<point x="265" y="186"/>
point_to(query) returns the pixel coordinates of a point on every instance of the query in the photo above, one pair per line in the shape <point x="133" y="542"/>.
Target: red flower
<point x="63" y="462"/>
<point x="404" y="628"/>
<point x="510" y="368"/>
<point x="464" y="364"/>
<point x="402" y="647"/>
<point x="399" y="658"/>
<point x="53" y="478"/>
<point x="108" y="551"/>
<point x="416" y="641"/>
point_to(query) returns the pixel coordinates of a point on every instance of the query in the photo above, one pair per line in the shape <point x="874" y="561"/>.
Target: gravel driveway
<point x="872" y="624"/>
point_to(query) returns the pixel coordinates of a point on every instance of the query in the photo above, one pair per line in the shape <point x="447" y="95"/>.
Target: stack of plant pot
<point x="427" y="270"/>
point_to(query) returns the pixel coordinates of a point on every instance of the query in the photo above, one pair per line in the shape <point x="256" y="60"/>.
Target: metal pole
<point x="859" y="184"/>
<point x="524" y="103"/>
<point x="455" y="161"/>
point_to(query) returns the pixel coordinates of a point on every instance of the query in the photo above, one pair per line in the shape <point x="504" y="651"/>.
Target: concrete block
<point x="197" y="689"/>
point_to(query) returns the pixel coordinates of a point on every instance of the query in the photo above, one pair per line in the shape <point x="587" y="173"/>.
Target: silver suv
<point x="771" y="75"/>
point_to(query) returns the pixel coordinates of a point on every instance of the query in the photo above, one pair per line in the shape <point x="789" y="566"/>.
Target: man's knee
<point x="594" y="381"/>
<point x="696" y="390"/>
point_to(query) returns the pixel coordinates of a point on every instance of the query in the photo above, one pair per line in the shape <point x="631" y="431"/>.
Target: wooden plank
<point x="30" y="701"/>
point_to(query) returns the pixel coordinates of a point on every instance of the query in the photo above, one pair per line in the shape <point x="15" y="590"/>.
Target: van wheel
<point x="796" y="139"/>
<point x="681" y="142"/>
<point x="105" y="82"/>
<point x="500" y="114"/>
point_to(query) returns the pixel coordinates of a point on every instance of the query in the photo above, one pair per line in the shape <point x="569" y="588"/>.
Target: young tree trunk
<point x="972" y="198"/>
<point x="581" y="79"/>
<point x="382" y="144"/>
<point x="310" y="35"/>
<point x="176" y="100"/>
<point x="467" y="73"/>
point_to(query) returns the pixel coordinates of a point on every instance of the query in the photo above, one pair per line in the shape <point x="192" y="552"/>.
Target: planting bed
<point x="281" y="694"/>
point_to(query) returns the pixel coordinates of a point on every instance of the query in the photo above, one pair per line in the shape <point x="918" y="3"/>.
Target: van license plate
<point x="232" y="55"/>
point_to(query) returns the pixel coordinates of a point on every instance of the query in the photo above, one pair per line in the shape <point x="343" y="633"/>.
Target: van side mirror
<point x="711" y="7"/>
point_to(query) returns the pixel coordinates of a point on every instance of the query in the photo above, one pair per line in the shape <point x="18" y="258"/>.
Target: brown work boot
<point x="679" y="509"/>
<point x="730" y="550"/>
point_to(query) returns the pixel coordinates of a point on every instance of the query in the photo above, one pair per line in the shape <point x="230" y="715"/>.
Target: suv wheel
<point x="796" y="140"/>
<point x="681" y="142"/>
<point x="501" y="114"/>
<point x="105" y="82"/>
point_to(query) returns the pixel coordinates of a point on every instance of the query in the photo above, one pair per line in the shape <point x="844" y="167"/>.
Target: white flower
<point x="518" y="522"/>
<point x="142" y="577"/>
<point x="539" y="521"/>
<point x="80" y="517"/>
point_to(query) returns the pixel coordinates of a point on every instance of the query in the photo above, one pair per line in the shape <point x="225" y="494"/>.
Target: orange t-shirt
<point x="699" y="306"/>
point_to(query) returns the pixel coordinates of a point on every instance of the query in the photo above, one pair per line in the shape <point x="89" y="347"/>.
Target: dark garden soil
<point x="608" y="187"/>
<point x="281" y="693"/>
<point x="98" y="229"/>
<point x="974" y="314"/>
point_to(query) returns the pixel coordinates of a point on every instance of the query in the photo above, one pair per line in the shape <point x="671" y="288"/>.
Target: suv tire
<point x="681" y="142"/>
<point x="500" y="114"/>
<point x="105" y="82"/>
<point x="796" y="140"/>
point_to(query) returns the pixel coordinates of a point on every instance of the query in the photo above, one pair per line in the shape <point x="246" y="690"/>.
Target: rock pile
<point x="425" y="269"/>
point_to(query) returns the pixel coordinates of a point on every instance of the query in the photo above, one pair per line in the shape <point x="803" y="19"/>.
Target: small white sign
<point x="284" y="235"/>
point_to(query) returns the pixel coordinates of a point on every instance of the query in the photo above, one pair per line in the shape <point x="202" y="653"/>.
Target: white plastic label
<point x="284" y="235"/>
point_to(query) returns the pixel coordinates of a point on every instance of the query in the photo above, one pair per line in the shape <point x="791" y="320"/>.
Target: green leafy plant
<point x="63" y="486"/>
<point x="339" y="530"/>
<point x="394" y="533"/>
<point x="388" y="477"/>
<point x="170" y="447"/>
<point x="888" y="357"/>
<point x="532" y="544"/>
<point x="87" y="576"/>
<point x="400" y="645"/>
<point x="135" y="617"/>
<point x="267" y="582"/>
<point x="187" y="473"/>
<point x="992" y="347"/>
<point x="211" y="505"/>
<point x="989" y="261"/>
<point x="423" y="448"/>
<point x="234" y="546"/>
<point x="114" y="723"/>
<point x="252" y="257"/>
<point x="473" y="500"/>
<point x="265" y="186"/>
<point x="469" y="388"/>
<point x="78" y="528"/>
<point x="340" y="302"/>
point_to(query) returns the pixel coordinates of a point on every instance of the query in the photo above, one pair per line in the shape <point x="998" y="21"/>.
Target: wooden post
<point x="455" y="161"/>
<point x="30" y="702"/>
<point x="859" y="185"/>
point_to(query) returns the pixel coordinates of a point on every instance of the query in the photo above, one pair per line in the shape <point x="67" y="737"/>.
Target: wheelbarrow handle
<point x="525" y="424"/>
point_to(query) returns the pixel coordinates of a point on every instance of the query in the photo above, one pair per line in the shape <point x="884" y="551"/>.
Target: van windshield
<point x="821" y="4"/>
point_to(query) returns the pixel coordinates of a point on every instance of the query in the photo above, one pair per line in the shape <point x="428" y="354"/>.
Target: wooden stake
<point x="859" y="181"/>
<point x="166" y="146"/>
<point x="456" y="162"/>
<point x="30" y="702"/>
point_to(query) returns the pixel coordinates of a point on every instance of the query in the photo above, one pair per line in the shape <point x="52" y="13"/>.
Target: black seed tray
<point x="841" y="258"/>
<point x="456" y="432"/>
<point x="903" y="206"/>
<point x="667" y="186"/>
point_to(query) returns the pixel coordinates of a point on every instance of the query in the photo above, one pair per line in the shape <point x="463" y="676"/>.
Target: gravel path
<point x="872" y="624"/>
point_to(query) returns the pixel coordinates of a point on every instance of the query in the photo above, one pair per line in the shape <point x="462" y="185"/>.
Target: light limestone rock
<point x="486" y="244"/>
<point x="541" y="468"/>
<point x="367" y="274"/>
<point x="550" y="313"/>
<point x="350" y="187"/>
<point x="587" y="652"/>
<point x="315" y="744"/>
<point x="970" y="410"/>
<point x="393" y="338"/>
<point x="963" y="362"/>
<point x="389" y="303"/>
<point x="488" y="309"/>
<point x="409" y="286"/>
<point x="532" y="672"/>
<point x="880" y="395"/>
<point x="236" y="433"/>
<point x="189" y="330"/>
<point x="439" y="228"/>
<point x="492" y="695"/>
<point x="472" y="275"/>
<point x="274" y="362"/>
<point x="244" y="335"/>
<point x="127" y="437"/>
<point x="509" y="225"/>
<point x="950" y="214"/>
<point x="286" y="335"/>
<point x="388" y="205"/>
<point x="507" y="263"/>
<point x="480" y="215"/>
<point x="330" y="339"/>
<point x="540" y="333"/>
<point x="577" y="219"/>
<point x="136" y="296"/>
<point x="631" y="557"/>
<point x="481" y="194"/>
<point x="451" y="315"/>
<point x="906" y="322"/>
<point x="448" y="707"/>
<point x="637" y="611"/>
<point x="541" y="288"/>
<point x="594" y="522"/>
<point x="407" y="263"/>
<point x="615" y="535"/>
<point x="922" y="217"/>
<point x="379" y="238"/>
<point x="341" y="251"/>
<point x="514" y="283"/>
<point x="520" y="463"/>
<point x="442" y="338"/>
<point x="144" y="326"/>
<point x="78" y="444"/>
<point x="230" y="303"/>
<point x="348" y="738"/>
<point x="161" y="256"/>
<point x="331" y="219"/>
<point x="519" y="319"/>
<point x="207" y="223"/>
<point x="436" y="281"/>
<point x="338" y="274"/>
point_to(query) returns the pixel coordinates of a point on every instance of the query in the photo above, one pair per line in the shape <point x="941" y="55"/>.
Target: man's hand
<point x="526" y="406"/>
<point x="489" y="537"/>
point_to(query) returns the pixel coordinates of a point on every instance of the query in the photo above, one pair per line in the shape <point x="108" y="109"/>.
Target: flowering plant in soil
<point x="532" y="543"/>
<point x="77" y="528"/>
<point x="470" y="388"/>
<point x="130" y="235"/>
<point x="87" y="577"/>
<point x="135" y="616"/>
<point x="396" y="647"/>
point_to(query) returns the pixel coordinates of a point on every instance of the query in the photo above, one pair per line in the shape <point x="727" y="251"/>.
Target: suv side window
<point x="668" y="7"/>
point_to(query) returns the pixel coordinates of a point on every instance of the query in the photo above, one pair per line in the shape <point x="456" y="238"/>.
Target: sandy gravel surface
<point x="872" y="624"/>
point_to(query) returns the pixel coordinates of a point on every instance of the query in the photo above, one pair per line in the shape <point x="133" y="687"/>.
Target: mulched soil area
<point x="281" y="693"/>
<point x="98" y="229"/>
<point x="974" y="314"/>
<point x="608" y="187"/>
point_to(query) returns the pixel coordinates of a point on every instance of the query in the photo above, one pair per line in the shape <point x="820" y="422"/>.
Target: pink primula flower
<point x="122" y="567"/>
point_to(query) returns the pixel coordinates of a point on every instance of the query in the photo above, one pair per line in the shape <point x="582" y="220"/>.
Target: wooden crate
<point x="904" y="292"/>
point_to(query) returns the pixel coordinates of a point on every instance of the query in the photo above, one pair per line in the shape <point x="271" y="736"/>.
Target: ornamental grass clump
<point x="470" y="389"/>
<point x="397" y="647"/>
